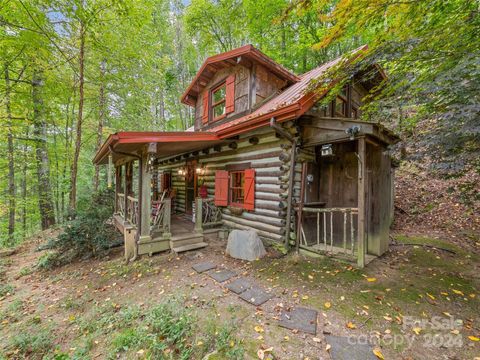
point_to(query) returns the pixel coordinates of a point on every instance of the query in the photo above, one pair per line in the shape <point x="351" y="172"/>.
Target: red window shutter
<point x="249" y="190"/>
<point x="205" y="108"/>
<point x="221" y="188"/>
<point x="230" y="94"/>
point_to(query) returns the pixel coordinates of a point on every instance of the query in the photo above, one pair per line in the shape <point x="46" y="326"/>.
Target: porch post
<point x="126" y="188"/>
<point x="361" y="201"/>
<point x="166" y="218"/>
<point x="199" y="215"/>
<point x="145" y="198"/>
<point x="118" y="175"/>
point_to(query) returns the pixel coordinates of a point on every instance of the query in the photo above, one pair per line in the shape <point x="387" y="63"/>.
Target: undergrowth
<point x="88" y="235"/>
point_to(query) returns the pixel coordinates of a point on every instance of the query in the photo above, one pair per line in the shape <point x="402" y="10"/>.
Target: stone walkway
<point x="296" y="319"/>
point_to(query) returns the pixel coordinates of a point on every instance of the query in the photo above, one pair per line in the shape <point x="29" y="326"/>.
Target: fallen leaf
<point x="417" y="330"/>
<point x="431" y="296"/>
<point x="328" y="347"/>
<point x="378" y="354"/>
<point x="305" y="297"/>
<point x="317" y="340"/>
<point x="372" y="279"/>
<point x="259" y="329"/>
<point x="474" y="338"/>
<point x="327" y="305"/>
<point x="458" y="292"/>
<point x="351" y="325"/>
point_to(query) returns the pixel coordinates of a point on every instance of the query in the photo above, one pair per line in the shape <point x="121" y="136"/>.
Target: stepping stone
<point x="256" y="295"/>
<point x="239" y="285"/>
<point x="300" y="318"/>
<point x="348" y="348"/>
<point x="202" y="267"/>
<point x="222" y="275"/>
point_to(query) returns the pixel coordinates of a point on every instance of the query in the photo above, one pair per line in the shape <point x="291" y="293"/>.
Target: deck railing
<point x="132" y="210"/>
<point x="207" y="215"/>
<point x="325" y="229"/>
<point x="121" y="204"/>
<point x="161" y="216"/>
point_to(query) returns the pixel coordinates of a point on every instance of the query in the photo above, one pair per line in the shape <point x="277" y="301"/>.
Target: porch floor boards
<point x="337" y="252"/>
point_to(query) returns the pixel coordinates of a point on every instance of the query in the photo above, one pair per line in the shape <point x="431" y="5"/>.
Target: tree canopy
<point x="75" y="71"/>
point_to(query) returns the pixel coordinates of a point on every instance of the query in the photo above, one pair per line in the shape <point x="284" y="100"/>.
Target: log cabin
<point x="267" y="153"/>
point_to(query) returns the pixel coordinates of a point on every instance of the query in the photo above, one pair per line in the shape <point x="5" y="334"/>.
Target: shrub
<point x="89" y="234"/>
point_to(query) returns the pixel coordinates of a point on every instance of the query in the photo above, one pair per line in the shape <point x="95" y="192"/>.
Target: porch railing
<point x="207" y="215"/>
<point x="160" y="219"/>
<point x="121" y="204"/>
<point x="324" y="239"/>
<point x="132" y="210"/>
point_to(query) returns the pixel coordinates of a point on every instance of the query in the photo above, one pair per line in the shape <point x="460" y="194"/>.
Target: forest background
<point x="74" y="71"/>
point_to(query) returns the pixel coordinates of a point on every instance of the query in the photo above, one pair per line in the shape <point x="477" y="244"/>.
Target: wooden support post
<point x="361" y="202"/>
<point x="167" y="219"/>
<point x="126" y="188"/>
<point x="199" y="215"/>
<point x="109" y="172"/>
<point x="118" y="183"/>
<point x="145" y="199"/>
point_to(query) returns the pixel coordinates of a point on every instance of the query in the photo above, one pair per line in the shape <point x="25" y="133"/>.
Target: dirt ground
<point x="415" y="302"/>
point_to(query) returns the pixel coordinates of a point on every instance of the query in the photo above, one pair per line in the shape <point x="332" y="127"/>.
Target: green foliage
<point x="32" y="344"/>
<point x="88" y="235"/>
<point x="6" y="289"/>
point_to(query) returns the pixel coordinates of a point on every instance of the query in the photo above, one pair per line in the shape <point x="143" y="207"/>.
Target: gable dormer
<point x="233" y="84"/>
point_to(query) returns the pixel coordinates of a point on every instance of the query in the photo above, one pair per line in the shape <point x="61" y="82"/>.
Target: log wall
<point x="263" y="150"/>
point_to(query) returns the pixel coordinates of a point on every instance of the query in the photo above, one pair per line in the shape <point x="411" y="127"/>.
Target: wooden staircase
<point x="186" y="242"/>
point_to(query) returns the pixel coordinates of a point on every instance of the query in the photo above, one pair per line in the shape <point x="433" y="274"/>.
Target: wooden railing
<point x="207" y="215"/>
<point x="121" y="204"/>
<point x="161" y="216"/>
<point x="132" y="210"/>
<point x="325" y="229"/>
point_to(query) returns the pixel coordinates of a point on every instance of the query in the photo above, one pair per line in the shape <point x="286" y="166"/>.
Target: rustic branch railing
<point x="207" y="215"/>
<point x="121" y="204"/>
<point x="324" y="229"/>
<point x="160" y="219"/>
<point x="132" y="210"/>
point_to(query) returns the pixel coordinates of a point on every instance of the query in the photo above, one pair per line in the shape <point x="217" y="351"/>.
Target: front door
<point x="190" y="185"/>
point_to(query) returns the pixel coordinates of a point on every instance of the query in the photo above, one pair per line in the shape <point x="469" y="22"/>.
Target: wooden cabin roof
<point x="168" y="143"/>
<point x="289" y="104"/>
<point x="242" y="55"/>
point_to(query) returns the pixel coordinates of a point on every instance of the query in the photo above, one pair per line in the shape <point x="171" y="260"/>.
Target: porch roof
<point x="125" y="143"/>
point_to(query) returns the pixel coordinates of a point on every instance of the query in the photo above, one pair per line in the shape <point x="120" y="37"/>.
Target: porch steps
<point x="185" y="242"/>
<point x="189" y="247"/>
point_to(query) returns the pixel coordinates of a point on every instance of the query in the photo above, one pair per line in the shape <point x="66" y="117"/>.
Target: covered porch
<point x="143" y="204"/>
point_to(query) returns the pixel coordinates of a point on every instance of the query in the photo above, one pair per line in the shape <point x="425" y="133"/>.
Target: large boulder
<point x="245" y="245"/>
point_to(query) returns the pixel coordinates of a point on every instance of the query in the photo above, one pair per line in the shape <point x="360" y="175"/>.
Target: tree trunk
<point x="11" y="164"/>
<point x="45" y="203"/>
<point x="78" y="140"/>
<point x="101" y="120"/>
<point x="24" y="188"/>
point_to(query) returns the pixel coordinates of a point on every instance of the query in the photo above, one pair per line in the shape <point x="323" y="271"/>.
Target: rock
<point x="245" y="245"/>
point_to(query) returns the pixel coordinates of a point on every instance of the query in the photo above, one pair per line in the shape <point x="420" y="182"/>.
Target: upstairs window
<point x="218" y="101"/>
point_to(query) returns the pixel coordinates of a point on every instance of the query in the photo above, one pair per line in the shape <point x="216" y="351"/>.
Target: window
<point x="218" y="101"/>
<point x="354" y="112"/>
<point x="341" y="106"/>
<point x="237" y="182"/>
<point x="235" y="187"/>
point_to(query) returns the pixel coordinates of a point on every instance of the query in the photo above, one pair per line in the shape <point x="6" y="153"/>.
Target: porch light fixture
<point x="327" y="150"/>
<point x="200" y="170"/>
<point x="181" y="171"/>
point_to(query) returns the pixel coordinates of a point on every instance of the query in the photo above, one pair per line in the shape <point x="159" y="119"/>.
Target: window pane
<point x="237" y="180"/>
<point x="219" y="94"/>
<point x="219" y="110"/>
<point x="340" y="106"/>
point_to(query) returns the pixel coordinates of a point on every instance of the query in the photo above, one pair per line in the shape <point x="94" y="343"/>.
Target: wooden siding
<point x="242" y="76"/>
<point x="268" y="217"/>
